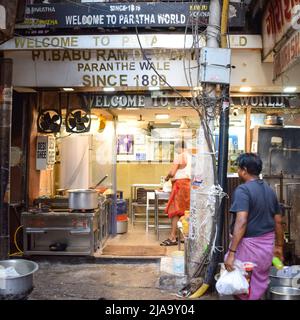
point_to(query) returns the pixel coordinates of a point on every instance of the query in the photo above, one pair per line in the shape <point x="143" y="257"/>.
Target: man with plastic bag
<point x="256" y="230"/>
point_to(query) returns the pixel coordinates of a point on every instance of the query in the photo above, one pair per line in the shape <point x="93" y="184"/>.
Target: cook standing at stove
<point x="179" y="201"/>
<point x="257" y="233"/>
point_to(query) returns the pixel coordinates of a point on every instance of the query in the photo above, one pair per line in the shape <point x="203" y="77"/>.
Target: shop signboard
<point x="287" y="55"/>
<point x="146" y="101"/>
<point x="101" y="68"/>
<point x="278" y="18"/>
<point x="120" y="15"/>
<point x="125" y="41"/>
<point x="112" y="41"/>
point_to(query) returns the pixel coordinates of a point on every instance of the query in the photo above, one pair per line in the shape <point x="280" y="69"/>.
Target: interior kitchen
<point x="92" y="169"/>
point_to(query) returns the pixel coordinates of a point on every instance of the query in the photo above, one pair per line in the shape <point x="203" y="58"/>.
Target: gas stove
<point x="61" y="232"/>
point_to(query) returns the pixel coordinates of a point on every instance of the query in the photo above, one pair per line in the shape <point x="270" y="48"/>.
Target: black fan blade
<point x="77" y="115"/>
<point x="46" y="117"/>
<point x="44" y="125"/>
<point x="72" y="122"/>
<point x="55" y="118"/>
<point x="54" y="127"/>
<point x="85" y="118"/>
<point x="80" y="127"/>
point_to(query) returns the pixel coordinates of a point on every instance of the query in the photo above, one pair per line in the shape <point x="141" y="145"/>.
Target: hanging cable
<point x="19" y="252"/>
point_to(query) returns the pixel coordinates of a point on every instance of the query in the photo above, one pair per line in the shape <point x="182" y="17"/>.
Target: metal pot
<point x="17" y="287"/>
<point x="80" y="199"/>
<point x="283" y="281"/>
<point x="284" y="293"/>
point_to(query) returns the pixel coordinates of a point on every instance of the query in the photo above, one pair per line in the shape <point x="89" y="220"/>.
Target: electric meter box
<point x="215" y="65"/>
<point x="45" y="152"/>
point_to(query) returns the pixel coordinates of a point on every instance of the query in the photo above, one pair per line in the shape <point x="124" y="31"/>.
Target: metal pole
<point x="222" y="156"/>
<point x="5" y="143"/>
<point x="213" y="28"/>
<point x="213" y="39"/>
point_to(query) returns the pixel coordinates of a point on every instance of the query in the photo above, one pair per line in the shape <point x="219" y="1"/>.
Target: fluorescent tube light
<point x="109" y="89"/>
<point x="245" y="89"/>
<point x="290" y="89"/>
<point x="161" y="116"/>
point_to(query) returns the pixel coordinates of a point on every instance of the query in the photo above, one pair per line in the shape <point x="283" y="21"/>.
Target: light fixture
<point x="153" y="88"/>
<point x="290" y="89"/>
<point x="175" y="123"/>
<point x="245" y="89"/>
<point x="68" y="89"/>
<point x="161" y="116"/>
<point x="109" y="89"/>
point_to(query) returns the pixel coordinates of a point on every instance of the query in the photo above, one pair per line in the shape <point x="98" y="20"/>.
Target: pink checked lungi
<point x="258" y="250"/>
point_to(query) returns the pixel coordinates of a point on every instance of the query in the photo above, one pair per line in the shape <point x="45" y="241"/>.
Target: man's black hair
<point x="250" y="161"/>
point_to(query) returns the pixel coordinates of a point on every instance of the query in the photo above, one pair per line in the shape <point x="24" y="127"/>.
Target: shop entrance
<point x="144" y="153"/>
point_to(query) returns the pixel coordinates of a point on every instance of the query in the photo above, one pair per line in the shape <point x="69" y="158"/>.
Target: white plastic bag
<point x="167" y="186"/>
<point x="234" y="282"/>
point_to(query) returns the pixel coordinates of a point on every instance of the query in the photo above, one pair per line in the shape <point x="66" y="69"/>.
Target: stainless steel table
<point x="159" y="195"/>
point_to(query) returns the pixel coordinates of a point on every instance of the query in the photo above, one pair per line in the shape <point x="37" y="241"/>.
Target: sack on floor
<point x="234" y="282"/>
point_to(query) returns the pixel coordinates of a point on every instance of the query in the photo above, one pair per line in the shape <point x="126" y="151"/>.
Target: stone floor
<point x="104" y="277"/>
<point x="57" y="281"/>
<point x="93" y="281"/>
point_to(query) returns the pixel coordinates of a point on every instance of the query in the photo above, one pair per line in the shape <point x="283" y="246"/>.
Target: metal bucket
<point x="284" y="293"/>
<point x="17" y="287"/>
<point x="122" y="226"/>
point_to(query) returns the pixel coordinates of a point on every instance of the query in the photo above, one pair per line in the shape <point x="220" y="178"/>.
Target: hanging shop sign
<point x="146" y="101"/>
<point x="279" y="16"/>
<point x="127" y="41"/>
<point x="102" y="68"/>
<point x="287" y="55"/>
<point x="117" y="15"/>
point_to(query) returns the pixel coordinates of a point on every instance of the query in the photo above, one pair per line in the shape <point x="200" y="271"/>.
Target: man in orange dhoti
<point x="179" y="200"/>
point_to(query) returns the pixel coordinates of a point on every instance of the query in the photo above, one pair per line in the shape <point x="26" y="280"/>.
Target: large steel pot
<point x="288" y="280"/>
<point x="284" y="293"/>
<point x="17" y="287"/>
<point x="80" y="199"/>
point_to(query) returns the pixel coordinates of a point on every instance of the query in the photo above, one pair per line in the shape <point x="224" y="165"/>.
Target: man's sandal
<point x="169" y="242"/>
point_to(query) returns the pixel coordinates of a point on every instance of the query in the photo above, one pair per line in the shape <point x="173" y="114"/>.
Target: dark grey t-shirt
<point x="260" y="201"/>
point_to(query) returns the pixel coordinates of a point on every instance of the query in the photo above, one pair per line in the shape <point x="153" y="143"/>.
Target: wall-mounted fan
<point x="49" y="121"/>
<point x="49" y="112"/>
<point x="78" y="120"/>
